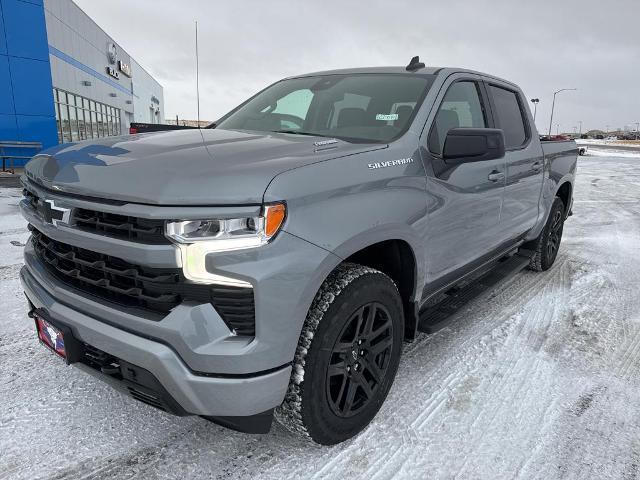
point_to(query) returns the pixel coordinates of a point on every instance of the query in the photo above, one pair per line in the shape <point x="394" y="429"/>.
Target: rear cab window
<point x="509" y="116"/>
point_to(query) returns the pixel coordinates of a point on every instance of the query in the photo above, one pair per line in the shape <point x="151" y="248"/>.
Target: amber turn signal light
<point x="274" y="217"/>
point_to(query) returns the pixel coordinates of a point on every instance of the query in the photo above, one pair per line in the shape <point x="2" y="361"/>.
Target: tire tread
<point x="289" y="413"/>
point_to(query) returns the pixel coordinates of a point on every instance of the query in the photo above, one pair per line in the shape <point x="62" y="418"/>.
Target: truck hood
<point x="181" y="167"/>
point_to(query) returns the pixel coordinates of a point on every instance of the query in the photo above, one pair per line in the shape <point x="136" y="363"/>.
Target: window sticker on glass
<point x="386" y="118"/>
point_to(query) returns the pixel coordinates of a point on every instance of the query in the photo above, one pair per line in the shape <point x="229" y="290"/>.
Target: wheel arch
<point x="397" y="257"/>
<point x="565" y="192"/>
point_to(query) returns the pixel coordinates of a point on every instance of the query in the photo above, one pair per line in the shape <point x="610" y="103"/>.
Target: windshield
<point x="357" y="107"/>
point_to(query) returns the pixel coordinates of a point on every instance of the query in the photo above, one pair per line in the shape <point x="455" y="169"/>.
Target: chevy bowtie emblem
<point x="52" y="213"/>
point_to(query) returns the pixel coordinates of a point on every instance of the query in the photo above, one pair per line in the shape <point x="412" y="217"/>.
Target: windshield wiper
<point x="298" y="132"/>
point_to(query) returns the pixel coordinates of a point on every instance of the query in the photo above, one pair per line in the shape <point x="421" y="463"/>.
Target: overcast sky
<point x="541" y="45"/>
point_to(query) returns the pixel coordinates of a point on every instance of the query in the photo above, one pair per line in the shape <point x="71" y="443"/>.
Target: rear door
<point x="524" y="160"/>
<point x="463" y="199"/>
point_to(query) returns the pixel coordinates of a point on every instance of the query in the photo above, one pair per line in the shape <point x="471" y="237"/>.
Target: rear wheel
<point x="548" y="243"/>
<point x="347" y="356"/>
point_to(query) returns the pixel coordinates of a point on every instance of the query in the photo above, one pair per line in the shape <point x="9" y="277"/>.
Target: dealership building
<point x="64" y="79"/>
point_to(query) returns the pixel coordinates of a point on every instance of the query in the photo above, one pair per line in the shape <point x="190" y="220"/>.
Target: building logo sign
<point x="113" y="73"/>
<point x="112" y="53"/>
<point x="124" y="68"/>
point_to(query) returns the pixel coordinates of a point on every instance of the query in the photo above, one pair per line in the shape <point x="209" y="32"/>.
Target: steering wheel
<point x="297" y="121"/>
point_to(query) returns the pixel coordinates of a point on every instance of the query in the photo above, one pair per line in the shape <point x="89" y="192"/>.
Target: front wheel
<point x="548" y="243"/>
<point x="347" y="356"/>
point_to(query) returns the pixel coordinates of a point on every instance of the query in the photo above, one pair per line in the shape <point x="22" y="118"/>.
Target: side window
<point x="509" y="116"/>
<point x="461" y="107"/>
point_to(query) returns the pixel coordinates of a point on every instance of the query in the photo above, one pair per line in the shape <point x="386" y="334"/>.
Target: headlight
<point x="197" y="238"/>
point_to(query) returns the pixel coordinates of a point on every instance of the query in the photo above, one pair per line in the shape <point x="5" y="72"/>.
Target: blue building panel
<point x="35" y="128"/>
<point x="8" y="128"/>
<point x="26" y="100"/>
<point x="6" y="91"/>
<point x="32" y="88"/>
<point x="3" y="43"/>
<point x="25" y="29"/>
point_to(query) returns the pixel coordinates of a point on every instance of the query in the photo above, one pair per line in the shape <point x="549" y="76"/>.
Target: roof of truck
<point x="399" y="70"/>
<point x="347" y="71"/>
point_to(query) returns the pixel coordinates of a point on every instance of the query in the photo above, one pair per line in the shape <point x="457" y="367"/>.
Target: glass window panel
<point x="82" y="125"/>
<point x="461" y="107"/>
<point x="64" y="123"/>
<point x="73" y="123"/>
<point x="94" y="124"/>
<point x="510" y="117"/>
<point x="87" y="121"/>
<point x="101" y="126"/>
<point x="58" y="122"/>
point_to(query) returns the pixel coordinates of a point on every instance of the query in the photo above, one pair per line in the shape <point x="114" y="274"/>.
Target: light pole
<point x="580" y="122"/>
<point x="554" y="104"/>
<point x="607" y="131"/>
<point x="637" y="125"/>
<point x="557" y="129"/>
<point x="535" y="107"/>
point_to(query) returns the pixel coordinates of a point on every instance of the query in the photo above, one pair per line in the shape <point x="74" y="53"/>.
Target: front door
<point x="464" y="200"/>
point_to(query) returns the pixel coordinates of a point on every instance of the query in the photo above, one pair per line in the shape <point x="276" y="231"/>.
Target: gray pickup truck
<point x="274" y="263"/>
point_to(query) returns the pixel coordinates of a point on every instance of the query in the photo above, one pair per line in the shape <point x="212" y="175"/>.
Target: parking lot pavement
<point x="539" y="380"/>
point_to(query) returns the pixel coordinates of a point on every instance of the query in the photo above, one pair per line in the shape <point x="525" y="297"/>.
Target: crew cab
<point x="275" y="263"/>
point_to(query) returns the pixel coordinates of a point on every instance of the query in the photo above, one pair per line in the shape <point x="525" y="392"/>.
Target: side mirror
<point x="464" y="145"/>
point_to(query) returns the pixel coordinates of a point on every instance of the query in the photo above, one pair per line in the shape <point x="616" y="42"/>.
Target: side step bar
<point x="440" y="315"/>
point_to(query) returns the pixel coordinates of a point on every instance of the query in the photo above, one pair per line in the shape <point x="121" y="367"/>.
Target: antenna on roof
<point x="415" y="64"/>
<point x="197" y="76"/>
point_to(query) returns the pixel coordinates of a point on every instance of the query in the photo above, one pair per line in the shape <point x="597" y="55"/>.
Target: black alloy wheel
<point x="347" y="356"/>
<point x="555" y="233"/>
<point x="359" y="359"/>
<point x="547" y="244"/>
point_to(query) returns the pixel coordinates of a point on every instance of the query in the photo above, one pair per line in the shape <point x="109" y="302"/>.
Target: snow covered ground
<point x="620" y="143"/>
<point x="539" y="380"/>
<point x="615" y="150"/>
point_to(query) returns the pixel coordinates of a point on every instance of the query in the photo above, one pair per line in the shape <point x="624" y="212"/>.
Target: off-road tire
<point x="546" y="246"/>
<point x="308" y="409"/>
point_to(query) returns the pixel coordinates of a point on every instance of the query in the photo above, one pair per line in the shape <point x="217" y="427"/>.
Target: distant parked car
<point x="611" y="138"/>
<point x="584" y="136"/>
<point x="599" y="137"/>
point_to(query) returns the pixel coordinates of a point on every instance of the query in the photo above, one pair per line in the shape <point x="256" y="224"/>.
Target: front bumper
<point x="206" y="395"/>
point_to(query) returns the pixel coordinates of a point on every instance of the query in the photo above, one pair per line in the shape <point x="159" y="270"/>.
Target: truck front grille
<point x="153" y="289"/>
<point x="133" y="229"/>
<point x="120" y="226"/>
<point x="112" y="278"/>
